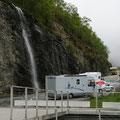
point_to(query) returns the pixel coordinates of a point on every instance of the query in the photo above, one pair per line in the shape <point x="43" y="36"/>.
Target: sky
<point x="105" y="21"/>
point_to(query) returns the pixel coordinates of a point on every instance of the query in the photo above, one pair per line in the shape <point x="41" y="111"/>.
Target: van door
<point x="80" y="85"/>
<point x="91" y="85"/>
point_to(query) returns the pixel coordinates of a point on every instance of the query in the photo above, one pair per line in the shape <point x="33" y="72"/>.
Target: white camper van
<point x="76" y="85"/>
<point x="97" y="76"/>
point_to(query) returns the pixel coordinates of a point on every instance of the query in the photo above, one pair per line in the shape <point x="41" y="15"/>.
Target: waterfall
<point x="29" y="48"/>
<point x="38" y="29"/>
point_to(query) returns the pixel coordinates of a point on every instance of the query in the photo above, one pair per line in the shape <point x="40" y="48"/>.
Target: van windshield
<point x="113" y="69"/>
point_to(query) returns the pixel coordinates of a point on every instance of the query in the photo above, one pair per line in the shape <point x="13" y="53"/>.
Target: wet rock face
<point x="14" y="68"/>
<point x="51" y="56"/>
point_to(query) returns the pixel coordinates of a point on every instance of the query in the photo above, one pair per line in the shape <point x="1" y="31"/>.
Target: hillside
<point x="63" y="42"/>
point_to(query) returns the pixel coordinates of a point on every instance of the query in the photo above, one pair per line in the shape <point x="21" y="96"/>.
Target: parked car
<point x="108" y="87"/>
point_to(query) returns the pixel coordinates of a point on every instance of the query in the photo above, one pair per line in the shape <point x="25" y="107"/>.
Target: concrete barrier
<point x="113" y="105"/>
<point x="51" y="103"/>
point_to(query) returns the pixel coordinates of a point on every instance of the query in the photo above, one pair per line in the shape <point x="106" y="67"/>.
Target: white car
<point x="108" y="87"/>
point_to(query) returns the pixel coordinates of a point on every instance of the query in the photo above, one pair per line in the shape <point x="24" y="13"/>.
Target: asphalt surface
<point x="113" y="80"/>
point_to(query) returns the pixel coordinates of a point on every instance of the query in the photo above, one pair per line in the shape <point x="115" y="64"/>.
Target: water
<point x="38" y="29"/>
<point x="29" y="48"/>
<point x="87" y="117"/>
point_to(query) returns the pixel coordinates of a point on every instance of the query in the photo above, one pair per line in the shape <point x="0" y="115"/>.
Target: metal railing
<point x="62" y="106"/>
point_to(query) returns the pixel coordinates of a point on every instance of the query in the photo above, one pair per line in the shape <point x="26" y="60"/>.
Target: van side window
<point x="77" y="81"/>
<point x="91" y="83"/>
<point x="99" y="77"/>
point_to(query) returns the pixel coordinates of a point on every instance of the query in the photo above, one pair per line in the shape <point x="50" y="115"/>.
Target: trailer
<point x="75" y="85"/>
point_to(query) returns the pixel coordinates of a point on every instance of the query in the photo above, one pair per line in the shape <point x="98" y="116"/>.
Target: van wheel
<point x="70" y="95"/>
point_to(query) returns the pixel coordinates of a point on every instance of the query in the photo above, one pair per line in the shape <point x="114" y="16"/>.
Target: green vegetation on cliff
<point x="81" y="35"/>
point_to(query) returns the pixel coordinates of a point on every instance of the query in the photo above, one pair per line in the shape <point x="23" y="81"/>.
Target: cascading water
<point x="38" y="29"/>
<point x="29" y="48"/>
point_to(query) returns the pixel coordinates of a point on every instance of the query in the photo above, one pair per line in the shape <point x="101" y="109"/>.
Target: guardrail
<point x="30" y="98"/>
<point x="26" y="98"/>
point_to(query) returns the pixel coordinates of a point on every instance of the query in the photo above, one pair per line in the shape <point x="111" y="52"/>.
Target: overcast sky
<point x="105" y="16"/>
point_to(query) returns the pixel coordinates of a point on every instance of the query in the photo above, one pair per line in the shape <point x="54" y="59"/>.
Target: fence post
<point x="67" y="101"/>
<point x="56" y="116"/>
<point x="11" y="103"/>
<point x="36" y="102"/>
<point x="55" y="99"/>
<point x="99" y="115"/>
<point x="26" y="92"/>
<point x="61" y="101"/>
<point x="114" y="90"/>
<point x="46" y="102"/>
<point x="96" y="101"/>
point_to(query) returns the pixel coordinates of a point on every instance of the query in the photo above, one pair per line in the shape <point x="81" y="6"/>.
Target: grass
<point x="112" y="97"/>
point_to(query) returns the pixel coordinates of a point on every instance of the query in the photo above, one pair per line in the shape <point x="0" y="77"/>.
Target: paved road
<point x="113" y="80"/>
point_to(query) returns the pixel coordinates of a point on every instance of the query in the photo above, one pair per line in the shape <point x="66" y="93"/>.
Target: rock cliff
<point x="51" y="54"/>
